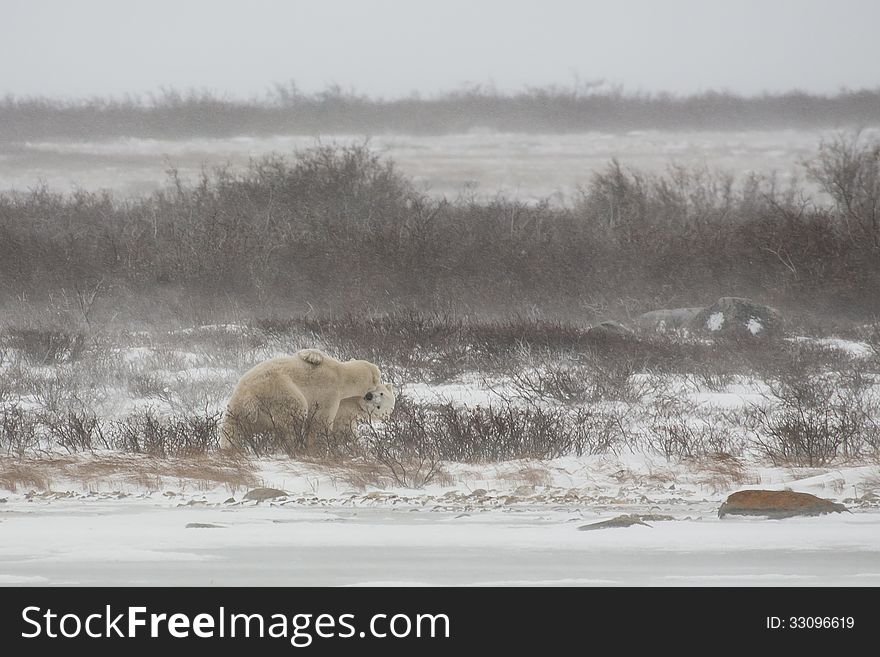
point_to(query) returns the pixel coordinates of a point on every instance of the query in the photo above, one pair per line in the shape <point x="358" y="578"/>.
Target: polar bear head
<point x="378" y="402"/>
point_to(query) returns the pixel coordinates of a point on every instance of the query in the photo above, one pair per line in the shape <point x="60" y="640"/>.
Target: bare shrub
<point x="146" y="384"/>
<point x="19" y="431"/>
<point x="556" y="382"/>
<point x="414" y="469"/>
<point x="678" y="431"/>
<point x="710" y="376"/>
<point x="76" y="431"/>
<point x="848" y="169"/>
<point x="281" y="432"/>
<point x="814" y="419"/>
<point x="47" y="346"/>
<point x="872" y="337"/>
<point x="493" y="433"/>
<point x="147" y="433"/>
<point x="590" y="379"/>
<point x="268" y="236"/>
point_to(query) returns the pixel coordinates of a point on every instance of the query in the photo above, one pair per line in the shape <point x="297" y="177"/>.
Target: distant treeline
<point x="338" y="228"/>
<point x="175" y="115"/>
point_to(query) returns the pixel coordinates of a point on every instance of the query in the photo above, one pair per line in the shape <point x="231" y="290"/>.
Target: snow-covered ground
<point x="116" y="518"/>
<point x="486" y="525"/>
<point x="523" y="166"/>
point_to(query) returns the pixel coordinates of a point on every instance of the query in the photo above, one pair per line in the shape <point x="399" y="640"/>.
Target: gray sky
<point x="391" y="48"/>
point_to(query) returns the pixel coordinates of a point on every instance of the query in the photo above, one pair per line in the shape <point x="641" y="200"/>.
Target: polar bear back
<point x="281" y="392"/>
<point x="333" y="379"/>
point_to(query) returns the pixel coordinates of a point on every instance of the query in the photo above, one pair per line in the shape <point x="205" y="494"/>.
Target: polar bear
<point x="377" y="404"/>
<point x="292" y="395"/>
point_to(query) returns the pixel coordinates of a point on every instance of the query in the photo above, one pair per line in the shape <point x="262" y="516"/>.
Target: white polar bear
<point x="293" y="394"/>
<point x="377" y="404"/>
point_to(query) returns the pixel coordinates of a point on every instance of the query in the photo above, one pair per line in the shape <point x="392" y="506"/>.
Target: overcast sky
<point x="391" y="48"/>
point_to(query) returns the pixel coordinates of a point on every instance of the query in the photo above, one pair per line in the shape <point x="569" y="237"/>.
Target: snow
<point x="136" y="354"/>
<point x="525" y="166"/>
<point x="121" y="519"/>
<point x="754" y="325"/>
<point x="469" y="390"/>
<point x="144" y="543"/>
<point x="510" y="533"/>
<point x="853" y="348"/>
<point x="742" y="392"/>
<point x="715" y="321"/>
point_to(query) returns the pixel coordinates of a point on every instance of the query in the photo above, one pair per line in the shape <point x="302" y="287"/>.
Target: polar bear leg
<point x="276" y="406"/>
<point x="321" y="421"/>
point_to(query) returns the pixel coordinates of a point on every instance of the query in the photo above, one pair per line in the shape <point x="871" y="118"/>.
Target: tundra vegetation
<point x="127" y="321"/>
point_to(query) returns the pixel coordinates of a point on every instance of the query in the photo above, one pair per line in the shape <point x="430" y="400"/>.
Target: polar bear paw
<point x="311" y="356"/>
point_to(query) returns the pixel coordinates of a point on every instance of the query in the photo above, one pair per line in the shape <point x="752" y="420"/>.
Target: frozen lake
<point x="527" y="166"/>
<point x="147" y="542"/>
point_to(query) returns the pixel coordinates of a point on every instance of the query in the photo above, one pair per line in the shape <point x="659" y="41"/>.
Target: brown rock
<point x="777" y="504"/>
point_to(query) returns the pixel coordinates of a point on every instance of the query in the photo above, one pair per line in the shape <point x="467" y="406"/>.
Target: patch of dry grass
<point x="141" y="471"/>
<point x="525" y="474"/>
<point x="17" y="475"/>
<point x="718" y="472"/>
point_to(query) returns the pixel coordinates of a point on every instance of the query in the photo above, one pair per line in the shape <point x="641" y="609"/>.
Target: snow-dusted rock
<point x="609" y="328"/>
<point x="261" y="494"/>
<point x="619" y="521"/>
<point x="668" y="319"/>
<point x="737" y="316"/>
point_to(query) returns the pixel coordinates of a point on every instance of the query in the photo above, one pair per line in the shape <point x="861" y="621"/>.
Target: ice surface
<point x="274" y="545"/>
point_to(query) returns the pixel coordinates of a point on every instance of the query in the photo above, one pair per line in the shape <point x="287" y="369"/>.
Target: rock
<point x="261" y="494"/>
<point x="619" y="521"/>
<point x="609" y="328"/>
<point x="202" y="525"/>
<point x="524" y="490"/>
<point x="738" y="317"/>
<point x="656" y="517"/>
<point x="777" y="504"/>
<point x="230" y="500"/>
<point x="668" y="319"/>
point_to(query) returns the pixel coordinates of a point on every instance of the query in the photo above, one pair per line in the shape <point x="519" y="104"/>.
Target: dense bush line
<point x="341" y="228"/>
<point x="286" y="110"/>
